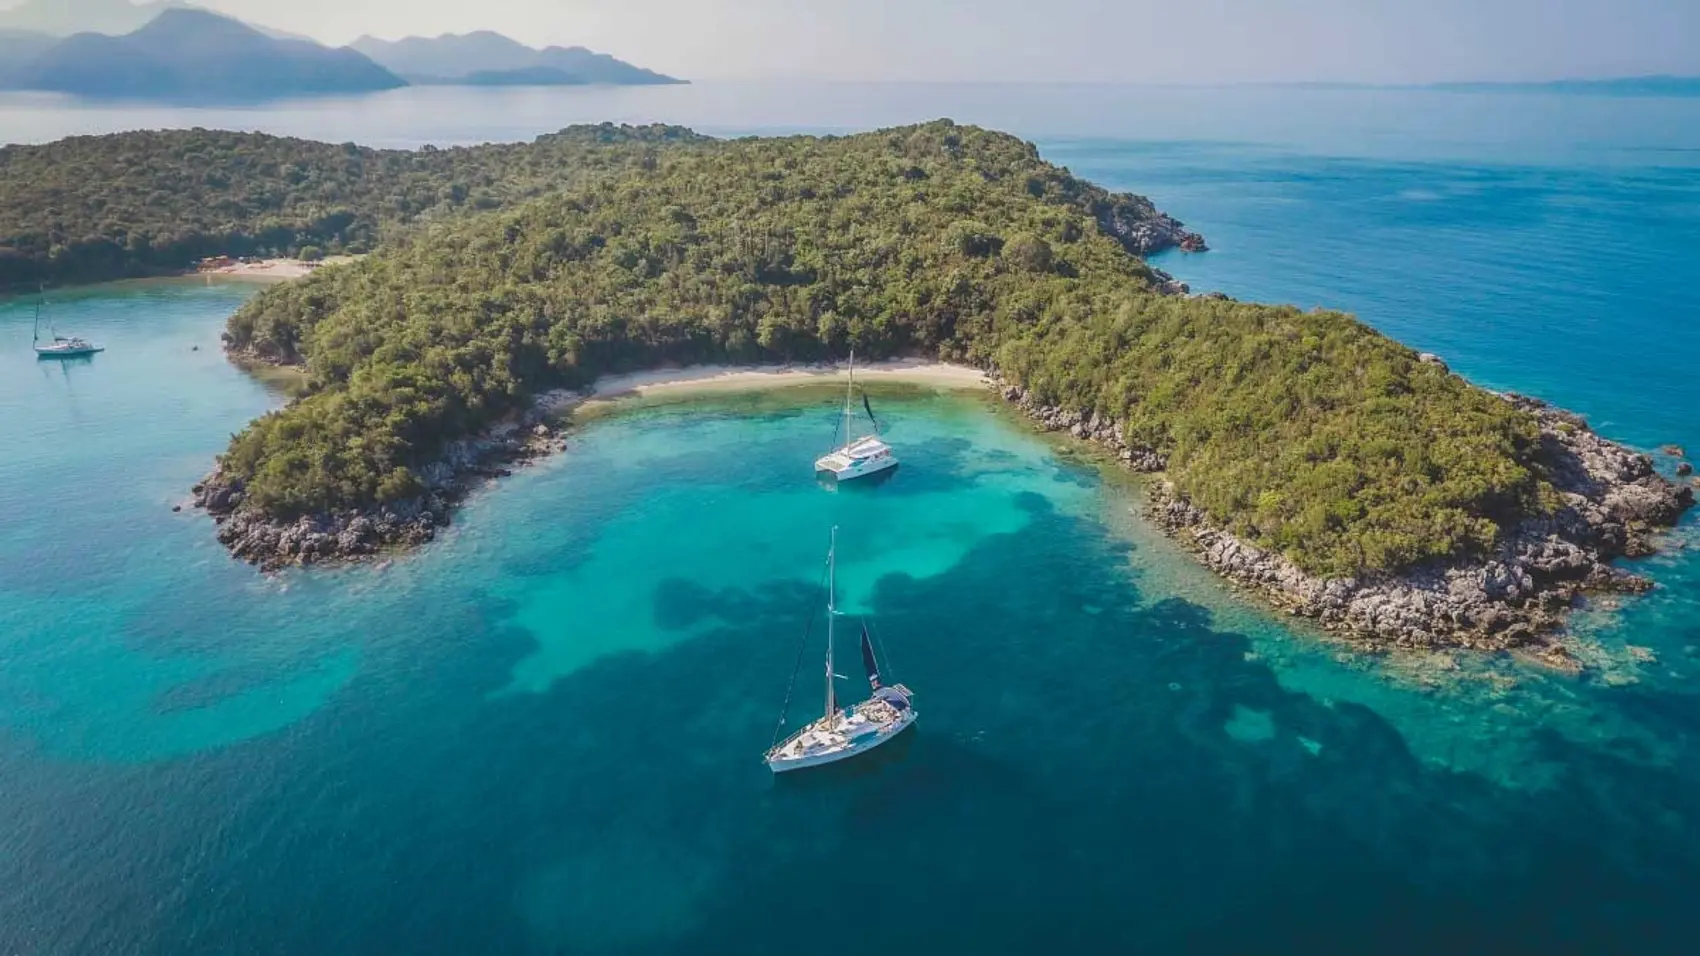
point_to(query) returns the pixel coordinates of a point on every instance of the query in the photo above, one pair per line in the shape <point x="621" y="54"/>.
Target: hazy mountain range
<point x="19" y="46"/>
<point x="490" y="59"/>
<point x="176" y="51"/>
<point x="186" y="54"/>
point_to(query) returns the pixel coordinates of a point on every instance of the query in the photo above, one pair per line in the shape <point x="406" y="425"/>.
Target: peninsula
<point x="1301" y="453"/>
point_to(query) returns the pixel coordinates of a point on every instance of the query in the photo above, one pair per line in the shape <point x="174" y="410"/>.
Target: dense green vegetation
<point x="1307" y="432"/>
<point x="105" y="207"/>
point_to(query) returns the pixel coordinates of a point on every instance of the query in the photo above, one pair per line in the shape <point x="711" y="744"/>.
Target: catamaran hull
<point x="860" y="469"/>
<point x="784" y="765"/>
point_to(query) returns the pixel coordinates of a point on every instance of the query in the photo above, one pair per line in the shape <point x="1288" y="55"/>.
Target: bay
<point x="542" y="733"/>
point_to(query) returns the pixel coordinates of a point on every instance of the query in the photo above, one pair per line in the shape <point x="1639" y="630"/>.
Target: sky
<point x="1131" y="41"/>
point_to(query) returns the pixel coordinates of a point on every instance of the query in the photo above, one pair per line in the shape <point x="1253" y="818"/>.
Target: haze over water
<point x="542" y="733"/>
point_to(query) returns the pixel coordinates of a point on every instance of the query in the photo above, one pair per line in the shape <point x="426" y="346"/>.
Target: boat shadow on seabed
<point x="873" y="763"/>
<point x="61" y="368"/>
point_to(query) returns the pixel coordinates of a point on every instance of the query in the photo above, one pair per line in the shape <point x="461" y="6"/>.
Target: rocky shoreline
<point x="275" y="543"/>
<point x="1142" y="228"/>
<point x="1515" y="599"/>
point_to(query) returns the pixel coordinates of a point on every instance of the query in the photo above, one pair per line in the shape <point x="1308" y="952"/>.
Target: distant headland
<point x="179" y="53"/>
<point x="490" y="59"/>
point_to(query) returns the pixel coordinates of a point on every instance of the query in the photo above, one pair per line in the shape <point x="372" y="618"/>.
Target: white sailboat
<point x="857" y="457"/>
<point x="60" y="346"/>
<point x="842" y="734"/>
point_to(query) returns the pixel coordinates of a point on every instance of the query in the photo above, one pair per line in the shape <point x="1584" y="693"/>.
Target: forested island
<point x="1303" y="453"/>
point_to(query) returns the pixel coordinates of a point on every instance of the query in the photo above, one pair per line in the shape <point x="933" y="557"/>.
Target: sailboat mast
<point x="850" y="400"/>
<point x="831" y="615"/>
<point x="35" y="335"/>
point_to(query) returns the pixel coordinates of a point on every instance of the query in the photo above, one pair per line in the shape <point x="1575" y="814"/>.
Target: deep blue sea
<point x="542" y="733"/>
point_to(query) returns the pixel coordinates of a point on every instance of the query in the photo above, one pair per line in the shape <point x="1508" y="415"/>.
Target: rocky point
<point x="272" y="542"/>
<point x="1515" y="598"/>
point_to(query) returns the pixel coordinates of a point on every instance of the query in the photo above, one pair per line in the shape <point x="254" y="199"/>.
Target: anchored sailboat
<point x="59" y="346"/>
<point x="857" y="456"/>
<point x="842" y="734"/>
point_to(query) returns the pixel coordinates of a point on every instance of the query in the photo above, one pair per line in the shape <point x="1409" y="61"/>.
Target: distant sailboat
<point x="59" y="346"/>
<point x="842" y="734"/>
<point x="857" y="457"/>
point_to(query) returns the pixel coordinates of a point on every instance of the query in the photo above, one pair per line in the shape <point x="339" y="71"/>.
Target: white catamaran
<point x="842" y="734"/>
<point x="60" y="346"/>
<point x="857" y="456"/>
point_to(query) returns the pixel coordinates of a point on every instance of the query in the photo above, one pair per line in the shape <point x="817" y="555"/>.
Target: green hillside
<point x="93" y="208"/>
<point x="1308" y="432"/>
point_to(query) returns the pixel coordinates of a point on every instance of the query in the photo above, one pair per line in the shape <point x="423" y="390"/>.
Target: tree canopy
<point x="1307" y="432"/>
<point x="93" y="208"/>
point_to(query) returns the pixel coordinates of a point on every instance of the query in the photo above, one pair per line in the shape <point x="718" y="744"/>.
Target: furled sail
<point x="870" y="409"/>
<point x="868" y="661"/>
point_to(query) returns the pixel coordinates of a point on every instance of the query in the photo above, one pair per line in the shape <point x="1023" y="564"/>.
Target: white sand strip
<point x="734" y="378"/>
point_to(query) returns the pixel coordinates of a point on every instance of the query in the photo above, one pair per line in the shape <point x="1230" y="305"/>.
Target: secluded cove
<point x="674" y="430"/>
<point x="1345" y="476"/>
<point x="1348" y="477"/>
<point x="1089" y="690"/>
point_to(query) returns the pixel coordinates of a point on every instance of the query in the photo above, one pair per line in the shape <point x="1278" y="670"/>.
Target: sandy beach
<point x="270" y="270"/>
<point x="732" y="378"/>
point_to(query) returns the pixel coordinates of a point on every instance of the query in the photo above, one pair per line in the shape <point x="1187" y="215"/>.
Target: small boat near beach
<point x="59" y="346"/>
<point x="841" y="734"/>
<point x="857" y="457"/>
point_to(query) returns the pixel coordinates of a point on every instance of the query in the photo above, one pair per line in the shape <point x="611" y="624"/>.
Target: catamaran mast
<point x="850" y="401"/>
<point x="831" y="614"/>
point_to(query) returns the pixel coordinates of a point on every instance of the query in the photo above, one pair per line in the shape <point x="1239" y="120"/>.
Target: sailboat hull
<point x="781" y="763"/>
<point x="864" y="456"/>
<point x="840" y="470"/>
<point x="53" y="353"/>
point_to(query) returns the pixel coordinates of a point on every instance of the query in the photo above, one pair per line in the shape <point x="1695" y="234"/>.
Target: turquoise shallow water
<point x="542" y="733"/>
